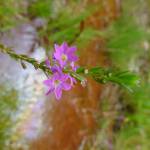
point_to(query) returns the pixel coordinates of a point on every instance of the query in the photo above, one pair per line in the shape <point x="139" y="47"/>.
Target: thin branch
<point x="25" y="58"/>
<point x="99" y="74"/>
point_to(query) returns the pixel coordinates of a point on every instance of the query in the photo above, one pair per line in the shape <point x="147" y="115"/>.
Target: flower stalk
<point x="24" y="58"/>
<point x="63" y="70"/>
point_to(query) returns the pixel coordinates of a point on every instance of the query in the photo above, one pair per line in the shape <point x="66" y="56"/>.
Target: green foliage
<point x="125" y="42"/>
<point x="9" y="13"/>
<point x="125" y="79"/>
<point x="62" y="22"/>
<point x="40" y="8"/>
<point x="135" y="132"/>
<point x="87" y="35"/>
<point x="125" y="38"/>
<point x="66" y="24"/>
<point x="8" y="106"/>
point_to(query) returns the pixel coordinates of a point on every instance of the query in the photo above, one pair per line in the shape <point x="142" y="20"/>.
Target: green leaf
<point x="96" y="71"/>
<point x="80" y="70"/>
<point x="125" y="79"/>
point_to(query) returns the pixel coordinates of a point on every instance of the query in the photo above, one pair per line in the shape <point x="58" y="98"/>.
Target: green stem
<point x="99" y="74"/>
<point x="25" y="58"/>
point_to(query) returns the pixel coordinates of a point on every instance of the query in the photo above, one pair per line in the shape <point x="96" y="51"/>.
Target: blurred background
<point x="108" y="33"/>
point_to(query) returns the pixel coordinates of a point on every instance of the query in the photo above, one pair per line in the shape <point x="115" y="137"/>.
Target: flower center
<point x="56" y="82"/>
<point x="64" y="57"/>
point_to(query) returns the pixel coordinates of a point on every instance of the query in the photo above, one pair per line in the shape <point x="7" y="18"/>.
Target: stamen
<point x="64" y="57"/>
<point x="56" y="82"/>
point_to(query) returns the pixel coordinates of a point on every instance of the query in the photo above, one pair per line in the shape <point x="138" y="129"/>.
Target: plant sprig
<point x="99" y="74"/>
<point x="22" y="58"/>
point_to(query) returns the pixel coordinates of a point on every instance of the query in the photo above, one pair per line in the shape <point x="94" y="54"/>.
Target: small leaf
<point x="36" y="66"/>
<point x="96" y="70"/>
<point x="125" y="79"/>
<point x="23" y="65"/>
<point x="80" y="70"/>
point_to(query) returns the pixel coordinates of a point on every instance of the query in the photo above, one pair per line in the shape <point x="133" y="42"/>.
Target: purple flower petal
<point x="47" y="62"/>
<point x="65" y="54"/>
<point x="72" y="80"/>
<point x="47" y="82"/>
<point x="66" y="86"/>
<point x="56" y="46"/>
<point x="72" y="48"/>
<point x="58" y="92"/>
<point x="49" y="91"/>
<point x="73" y="58"/>
<point x="56" y="68"/>
<point x="74" y="68"/>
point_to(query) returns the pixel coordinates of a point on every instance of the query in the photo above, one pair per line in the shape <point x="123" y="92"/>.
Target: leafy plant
<point x="99" y="74"/>
<point x="125" y="40"/>
<point x="10" y="12"/>
<point x="40" y="8"/>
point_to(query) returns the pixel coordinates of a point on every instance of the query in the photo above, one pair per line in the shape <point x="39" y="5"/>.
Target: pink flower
<point x="57" y="83"/>
<point x="65" y="54"/>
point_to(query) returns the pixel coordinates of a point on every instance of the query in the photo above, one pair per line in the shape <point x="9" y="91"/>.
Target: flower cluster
<point x="64" y="58"/>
